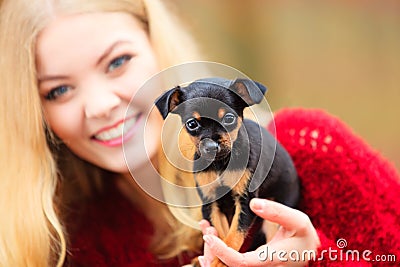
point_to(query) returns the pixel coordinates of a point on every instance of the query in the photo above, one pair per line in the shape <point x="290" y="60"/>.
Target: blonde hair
<point x="31" y="233"/>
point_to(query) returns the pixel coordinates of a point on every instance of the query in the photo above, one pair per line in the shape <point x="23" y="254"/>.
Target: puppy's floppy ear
<point x="168" y="101"/>
<point x="252" y="92"/>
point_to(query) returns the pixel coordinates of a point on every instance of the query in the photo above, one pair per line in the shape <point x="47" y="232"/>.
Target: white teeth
<point x="116" y="132"/>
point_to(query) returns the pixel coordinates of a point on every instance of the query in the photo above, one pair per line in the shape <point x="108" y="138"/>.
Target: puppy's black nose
<point x="209" y="147"/>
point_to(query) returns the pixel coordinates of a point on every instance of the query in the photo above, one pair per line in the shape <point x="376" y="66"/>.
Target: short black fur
<point x="253" y="150"/>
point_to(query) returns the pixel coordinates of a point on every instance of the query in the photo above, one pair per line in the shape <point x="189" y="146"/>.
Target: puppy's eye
<point x="192" y="124"/>
<point x="229" y="119"/>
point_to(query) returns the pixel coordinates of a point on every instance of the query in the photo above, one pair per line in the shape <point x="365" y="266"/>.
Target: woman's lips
<point x="122" y="131"/>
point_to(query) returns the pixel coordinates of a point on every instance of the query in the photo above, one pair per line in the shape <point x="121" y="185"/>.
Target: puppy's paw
<point x="217" y="263"/>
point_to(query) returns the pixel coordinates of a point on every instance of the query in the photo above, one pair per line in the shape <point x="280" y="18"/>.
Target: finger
<point x="206" y="229"/>
<point x="208" y="253"/>
<point x="230" y="256"/>
<point x="204" y="224"/>
<point x="289" y="218"/>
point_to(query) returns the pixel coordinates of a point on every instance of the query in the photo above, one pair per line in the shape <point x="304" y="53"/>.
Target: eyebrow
<point x="51" y="77"/>
<point x="109" y="50"/>
<point x="101" y="58"/>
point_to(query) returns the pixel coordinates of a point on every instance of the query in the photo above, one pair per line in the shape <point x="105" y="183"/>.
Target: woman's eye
<point x="229" y="119"/>
<point x="118" y="62"/>
<point x="192" y="124"/>
<point x="57" y="92"/>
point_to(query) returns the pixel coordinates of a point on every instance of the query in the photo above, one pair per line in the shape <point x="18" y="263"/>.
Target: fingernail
<point x="259" y="204"/>
<point x="208" y="239"/>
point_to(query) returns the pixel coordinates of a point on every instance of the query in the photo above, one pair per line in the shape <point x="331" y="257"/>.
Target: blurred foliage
<point x="341" y="56"/>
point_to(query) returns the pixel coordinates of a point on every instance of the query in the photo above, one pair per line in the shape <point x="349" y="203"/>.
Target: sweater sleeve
<point x="349" y="190"/>
<point x="111" y="232"/>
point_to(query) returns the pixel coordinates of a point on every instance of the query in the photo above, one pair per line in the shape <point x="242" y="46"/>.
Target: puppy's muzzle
<point x="209" y="148"/>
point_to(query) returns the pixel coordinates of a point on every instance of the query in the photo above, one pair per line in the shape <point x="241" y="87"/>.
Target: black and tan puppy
<point x="235" y="159"/>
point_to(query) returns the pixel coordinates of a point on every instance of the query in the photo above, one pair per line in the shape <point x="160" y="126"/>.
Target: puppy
<point x="235" y="159"/>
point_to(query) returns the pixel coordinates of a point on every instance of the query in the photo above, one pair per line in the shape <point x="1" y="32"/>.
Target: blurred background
<point x="339" y="55"/>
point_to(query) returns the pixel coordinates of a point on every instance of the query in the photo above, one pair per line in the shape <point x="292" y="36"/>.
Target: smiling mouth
<point x="113" y="136"/>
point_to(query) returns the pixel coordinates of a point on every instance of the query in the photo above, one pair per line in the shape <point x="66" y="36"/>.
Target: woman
<point x="68" y="72"/>
<point x="51" y="80"/>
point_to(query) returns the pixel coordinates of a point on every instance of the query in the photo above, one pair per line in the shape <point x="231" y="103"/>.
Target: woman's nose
<point x="101" y="103"/>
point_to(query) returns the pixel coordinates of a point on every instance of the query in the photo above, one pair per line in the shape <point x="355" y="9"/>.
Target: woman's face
<point x="89" y="68"/>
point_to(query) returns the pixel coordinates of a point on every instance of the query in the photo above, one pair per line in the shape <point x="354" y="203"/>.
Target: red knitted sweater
<point x="348" y="190"/>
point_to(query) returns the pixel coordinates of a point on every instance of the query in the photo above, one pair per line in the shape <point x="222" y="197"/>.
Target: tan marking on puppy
<point x="228" y="138"/>
<point x="189" y="141"/>
<point x="217" y="263"/>
<point x="196" y="144"/>
<point x="174" y="101"/>
<point x="233" y="134"/>
<point x="270" y="229"/>
<point x="221" y="113"/>
<point x="237" y="180"/>
<point x="235" y="237"/>
<point x="219" y="221"/>
<point x="187" y="144"/>
<point x="196" y="115"/>
<point x="241" y="90"/>
<point x="205" y="183"/>
<point x="225" y="141"/>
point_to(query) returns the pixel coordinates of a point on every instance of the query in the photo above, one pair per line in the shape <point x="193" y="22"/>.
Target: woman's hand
<point x="295" y="238"/>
